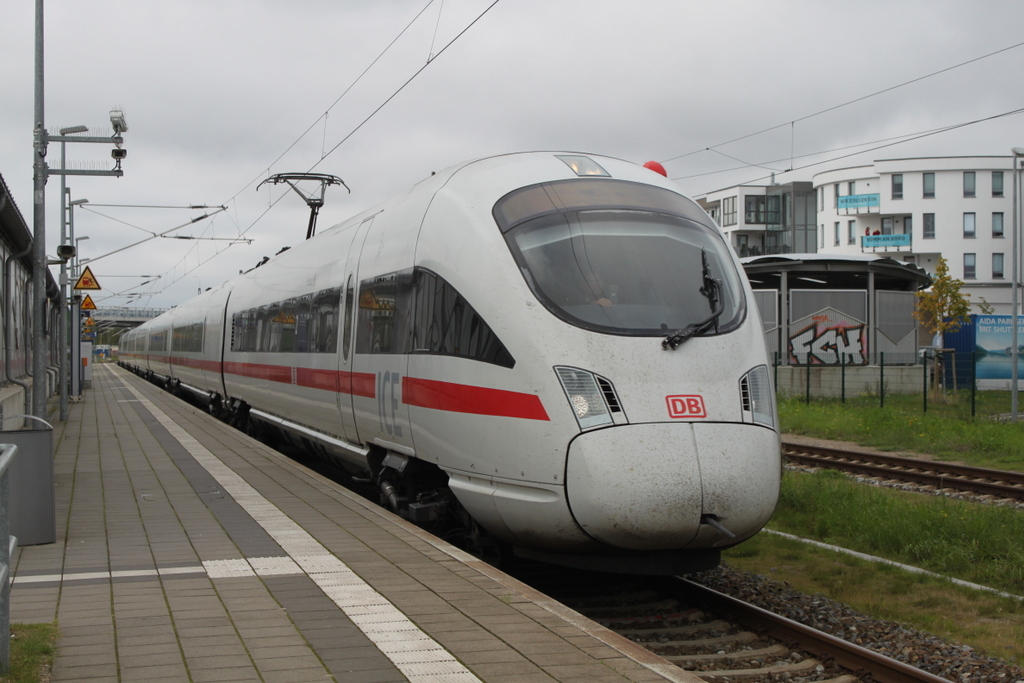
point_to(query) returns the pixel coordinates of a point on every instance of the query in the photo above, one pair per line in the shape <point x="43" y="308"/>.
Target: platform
<point x="187" y="551"/>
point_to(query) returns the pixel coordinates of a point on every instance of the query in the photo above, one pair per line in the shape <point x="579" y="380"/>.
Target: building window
<point x="887" y="225"/>
<point x="851" y="188"/>
<point x="835" y="203"/>
<point x="836" y="231"/>
<point x="821" y="198"/>
<point x="997" y="266"/>
<point x="997" y="224"/>
<point x="929" y="185"/>
<point x="754" y="209"/>
<point x="929" y="226"/>
<point x="969" y="184"/>
<point x="968" y="226"/>
<point x="729" y="211"/>
<point x="908" y="225"/>
<point x="997" y="183"/>
<point x="851" y="232"/>
<point x="970" y="272"/>
<point x="822" y="245"/>
<point x="897" y="186"/>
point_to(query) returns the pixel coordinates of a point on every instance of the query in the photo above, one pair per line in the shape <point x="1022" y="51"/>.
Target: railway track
<point x="719" y="638"/>
<point x="938" y="475"/>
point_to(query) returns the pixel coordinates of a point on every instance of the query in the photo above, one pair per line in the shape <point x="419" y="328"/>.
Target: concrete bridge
<point x="110" y="323"/>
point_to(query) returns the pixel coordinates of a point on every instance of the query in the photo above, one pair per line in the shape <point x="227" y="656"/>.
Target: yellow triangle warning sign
<point x="87" y="304"/>
<point x="87" y="280"/>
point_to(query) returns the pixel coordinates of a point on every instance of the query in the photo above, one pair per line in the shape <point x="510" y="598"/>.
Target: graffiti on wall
<point x="827" y="342"/>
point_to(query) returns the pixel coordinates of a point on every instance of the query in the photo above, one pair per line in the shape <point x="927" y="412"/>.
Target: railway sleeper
<point x="803" y="667"/>
<point x="610" y="600"/>
<point x="658" y="607"/>
<point x="770" y="651"/>
<point x="716" y="625"/>
<point x="741" y="637"/>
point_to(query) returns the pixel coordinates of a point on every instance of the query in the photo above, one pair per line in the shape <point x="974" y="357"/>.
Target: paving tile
<point x="160" y="508"/>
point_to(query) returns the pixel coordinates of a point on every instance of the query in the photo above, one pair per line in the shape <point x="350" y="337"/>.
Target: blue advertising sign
<point x="875" y="241"/>
<point x="994" y="346"/>
<point x="859" y="201"/>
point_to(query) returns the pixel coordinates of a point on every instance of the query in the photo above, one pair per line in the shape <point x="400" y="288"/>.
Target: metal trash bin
<point x="33" y="514"/>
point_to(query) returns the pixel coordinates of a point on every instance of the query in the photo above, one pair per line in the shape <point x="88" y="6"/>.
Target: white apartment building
<point x="911" y="210"/>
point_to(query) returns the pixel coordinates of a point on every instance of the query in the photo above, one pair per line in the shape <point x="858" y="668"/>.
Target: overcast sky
<point x="218" y="94"/>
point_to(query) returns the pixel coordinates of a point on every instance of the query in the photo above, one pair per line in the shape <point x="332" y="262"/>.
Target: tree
<point x="942" y="308"/>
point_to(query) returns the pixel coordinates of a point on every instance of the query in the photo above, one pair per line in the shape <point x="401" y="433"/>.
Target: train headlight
<point x="580" y="404"/>
<point x="584" y="396"/>
<point x="757" y="398"/>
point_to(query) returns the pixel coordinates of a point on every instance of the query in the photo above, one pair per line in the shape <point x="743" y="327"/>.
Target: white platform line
<point x="371" y="612"/>
<point x="215" y="569"/>
<point x="893" y="563"/>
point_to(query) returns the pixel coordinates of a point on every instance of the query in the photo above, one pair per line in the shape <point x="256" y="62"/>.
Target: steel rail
<point x="941" y="475"/>
<point x="857" y="659"/>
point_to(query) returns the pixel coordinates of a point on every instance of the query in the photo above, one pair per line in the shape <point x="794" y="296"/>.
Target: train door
<point x="349" y="383"/>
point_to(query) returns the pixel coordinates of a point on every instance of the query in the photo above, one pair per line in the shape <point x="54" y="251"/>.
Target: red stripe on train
<point x="464" y="398"/>
<point x="355" y="383"/>
<point x="423" y="393"/>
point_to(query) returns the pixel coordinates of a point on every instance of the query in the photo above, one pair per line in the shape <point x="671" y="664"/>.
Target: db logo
<point x="686" y="406"/>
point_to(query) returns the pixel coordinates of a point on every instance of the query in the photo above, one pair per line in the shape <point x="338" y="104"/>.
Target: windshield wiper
<point x="712" y="291"/>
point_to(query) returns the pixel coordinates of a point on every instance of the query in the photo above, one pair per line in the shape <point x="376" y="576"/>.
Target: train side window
<point x="446" y="324"/>
<point x="273" y="329"/>
<point x="262" y="332"/>
<point x="251" y="330"/>
<point x="325" y="320"/>
<point x="384" y="322"/>
<point x="187" y="338"/>
<point x="303" y="312"/>
<point x="350" y="296"/>
<point x="158" y="341"/>
<point x="286" y="327"/>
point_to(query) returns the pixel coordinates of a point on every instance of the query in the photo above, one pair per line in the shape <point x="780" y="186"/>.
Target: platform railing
<point x="7" y="545"/>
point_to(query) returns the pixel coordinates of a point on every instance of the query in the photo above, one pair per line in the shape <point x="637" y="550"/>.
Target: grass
<point x="970" y="541"/>
<point x="32" y="650"/>
<point x="946" y="431"/>
<point x="986" y="622"/>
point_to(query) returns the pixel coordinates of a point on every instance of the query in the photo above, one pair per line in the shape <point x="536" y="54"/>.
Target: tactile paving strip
<point x="415" y="654"/>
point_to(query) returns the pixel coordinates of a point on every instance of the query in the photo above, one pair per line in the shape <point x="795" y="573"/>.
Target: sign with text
<point x="859" y="201"/>
<point x="876" y="241"/>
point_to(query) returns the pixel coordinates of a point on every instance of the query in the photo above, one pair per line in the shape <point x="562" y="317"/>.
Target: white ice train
<point x="558" y="348"/>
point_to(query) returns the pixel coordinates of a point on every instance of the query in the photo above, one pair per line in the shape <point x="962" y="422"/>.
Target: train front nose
<point x="647" y="486"/>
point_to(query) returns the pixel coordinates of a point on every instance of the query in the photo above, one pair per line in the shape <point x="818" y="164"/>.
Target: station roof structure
<point x="833" y="271"/>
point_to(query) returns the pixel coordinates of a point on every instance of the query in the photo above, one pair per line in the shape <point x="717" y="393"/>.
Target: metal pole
<point x="63" y="283"/>
<point x="76" y="313"/>
<point x="39" y="266"/>
<point x="1014" y="317"/>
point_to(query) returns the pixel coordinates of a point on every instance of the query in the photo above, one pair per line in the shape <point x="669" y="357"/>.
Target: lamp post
<point x="63" y="280"/>
<point x="1014" y="343"/>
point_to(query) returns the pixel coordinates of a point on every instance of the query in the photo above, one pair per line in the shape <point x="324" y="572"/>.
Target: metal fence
<point x="7" y="545"/>
<point x="934" y="379"/>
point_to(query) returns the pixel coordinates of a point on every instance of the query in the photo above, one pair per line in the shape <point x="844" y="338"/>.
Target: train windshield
<point x="629" y="271"/>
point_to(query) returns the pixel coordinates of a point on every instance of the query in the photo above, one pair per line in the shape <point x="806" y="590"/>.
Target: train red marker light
<point x="656" y="167"/>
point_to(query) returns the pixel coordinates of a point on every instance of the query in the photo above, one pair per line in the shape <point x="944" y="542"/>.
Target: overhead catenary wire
<point x="849" y="102"/>
<point x="1012" y="112"/>
<point x="323" y="117"/>
<point x="420" y="70"/>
